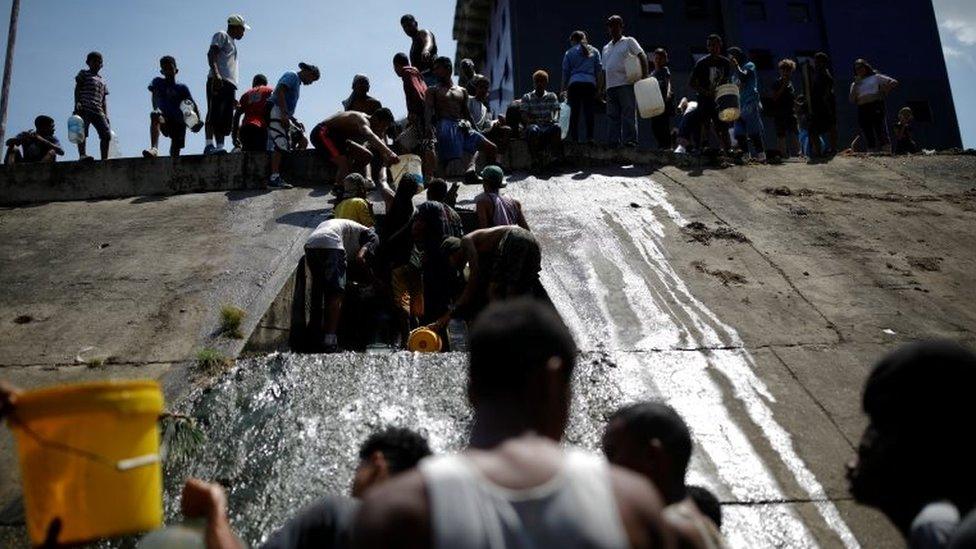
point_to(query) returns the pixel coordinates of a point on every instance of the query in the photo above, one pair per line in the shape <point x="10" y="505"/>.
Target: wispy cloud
<point x="963" y="31"/>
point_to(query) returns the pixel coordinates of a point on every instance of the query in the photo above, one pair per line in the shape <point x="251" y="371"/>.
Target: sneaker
<point x="209" y="149"/>
<point x="278" y="183"/>
<point x="87" y="159"/>
<point x="219" y="151"/>
<point x="151" y="152"/>
<point x="680" y="149"/>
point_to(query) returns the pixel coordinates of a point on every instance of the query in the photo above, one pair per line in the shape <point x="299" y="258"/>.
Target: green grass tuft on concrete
<point x="212" y="362"/>
<point x="231" y="318"/>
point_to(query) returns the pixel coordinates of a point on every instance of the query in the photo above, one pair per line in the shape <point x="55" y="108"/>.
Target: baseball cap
<point x="311" y="68"/>
<point x="493" y="175"/>
<point x="237" y="20"/>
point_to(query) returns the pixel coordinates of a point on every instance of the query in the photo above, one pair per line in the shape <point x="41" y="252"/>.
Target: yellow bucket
<point x="89" y="455"/>
<point x="424" y="340"/>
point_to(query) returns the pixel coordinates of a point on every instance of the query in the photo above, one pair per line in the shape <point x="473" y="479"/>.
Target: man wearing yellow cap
<point x="222" y="83"/>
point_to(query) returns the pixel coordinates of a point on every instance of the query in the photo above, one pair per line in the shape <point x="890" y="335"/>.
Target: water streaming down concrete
<point x="284" y="428"/>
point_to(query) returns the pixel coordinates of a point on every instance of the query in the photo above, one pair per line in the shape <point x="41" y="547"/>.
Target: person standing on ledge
<point x="621" y="102"/>
<point x="222" y="83"/>
<point x="167" y="115"/>
<point x="91" y="104"/>
<point x="423" y="48"/>
<point x="284" y="100"/>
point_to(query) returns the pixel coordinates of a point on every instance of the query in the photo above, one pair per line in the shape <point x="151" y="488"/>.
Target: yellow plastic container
<point x="424" y="340"/>
<point x="89" y="455"/>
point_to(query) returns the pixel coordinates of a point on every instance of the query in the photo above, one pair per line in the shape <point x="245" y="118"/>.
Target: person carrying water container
<point x="709" y="73"/>
<point x="749" y="127"/>
<point x="621" y="101"/>
<point x="168" y="116"/>
<point x="582" y="77"/>
<point x="91" y="104"/>
<point x="661" y="124"/>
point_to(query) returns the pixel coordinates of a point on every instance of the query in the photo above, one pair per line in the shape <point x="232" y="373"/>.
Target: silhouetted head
<point x="387" y="453"/>
<point x="167" y="66"/>
<point x="615" y="26"/>
<point x="821" y="60"/>
<point x="660" y="58"/>
<point x="44" y="125"/>
<point x="443" y="69"/>
<point x="714" y="44"/>
<point x="707" y="503"/>
<point x="236" y="26"/>
<point x="540" y="79"/>
<point x="786" y="67"/>
<point x="862" y="68"/>
<point x="482" y="86"/>
<point x="521" y="361"/>
<point x="259" y="80"/>
<point x="737" y="54"/>
<point x="409" y="24"/>
<point x="381" y="120"/>
<point x="466" y="69"/>
<point x="360" y="84"/>
<point x="94" y="61"/>
<point x="437" y="190"/>
<point x="400" y="60"/>
<point x="917" y="447"/>
<point x="308" y="73"/>
<point x="650" y="438"/>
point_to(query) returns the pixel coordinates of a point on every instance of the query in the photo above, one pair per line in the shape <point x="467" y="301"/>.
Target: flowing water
<point x="284" y="429"/>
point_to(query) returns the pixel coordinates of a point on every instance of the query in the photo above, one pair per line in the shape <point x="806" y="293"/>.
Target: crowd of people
<point x="516" y="485"/>
<point x="447" y="121"/>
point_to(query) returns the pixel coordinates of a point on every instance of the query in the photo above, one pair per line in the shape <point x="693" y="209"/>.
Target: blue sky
<point x="343" y="37"/>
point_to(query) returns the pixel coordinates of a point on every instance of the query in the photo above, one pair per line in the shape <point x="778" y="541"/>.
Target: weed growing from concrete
<point x="211" y="362"/>
<point x="95" y="362"/>
<point x="231" y="318"/>
<point x="182" y="437"/>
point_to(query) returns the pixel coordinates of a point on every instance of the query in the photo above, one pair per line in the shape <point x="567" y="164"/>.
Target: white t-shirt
<point x="338" y="234"/>
<point x="614" y="56"/>
<point x="227" y="57"/>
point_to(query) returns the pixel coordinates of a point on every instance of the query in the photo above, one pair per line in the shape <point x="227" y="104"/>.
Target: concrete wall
<point x="125" y="177"/>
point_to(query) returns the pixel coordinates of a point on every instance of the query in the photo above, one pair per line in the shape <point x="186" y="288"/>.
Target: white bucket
<point x="409" y="163"/>
<point x="650" y="102"/>
<point x="727" y="102"/>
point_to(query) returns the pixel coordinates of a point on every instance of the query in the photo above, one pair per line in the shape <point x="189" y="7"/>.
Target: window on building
<point x="763" y="59"/>
<point x="799" y="12"/>
<point x="921" y="110"/>
<point x="696" y="9"/>
<point x="652" y="8"/>
<point x="754" y="11"/>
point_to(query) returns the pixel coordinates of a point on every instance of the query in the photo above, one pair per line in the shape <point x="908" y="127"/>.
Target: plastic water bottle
<point x="114" y="151"/>
<point x="564" y="114"/>
<point x="190" y="117"/>
<point x="457" y="335"/>
<point x="76" y="129"/>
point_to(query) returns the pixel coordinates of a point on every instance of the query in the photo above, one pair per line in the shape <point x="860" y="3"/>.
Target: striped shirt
<point x="90" y="89"/>
<point x="540" y="110"/>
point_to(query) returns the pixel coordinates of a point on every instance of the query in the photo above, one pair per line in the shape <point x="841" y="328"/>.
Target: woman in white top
<point x="868" y="92"/>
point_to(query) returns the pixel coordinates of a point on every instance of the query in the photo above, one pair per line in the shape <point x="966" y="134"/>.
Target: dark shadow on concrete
<point x="148" y="199"/>
<point x="234" y="196"/>
<point x="304" y="218"/>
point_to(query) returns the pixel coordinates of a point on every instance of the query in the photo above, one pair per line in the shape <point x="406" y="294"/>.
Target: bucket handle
<point x="120" y="465"/>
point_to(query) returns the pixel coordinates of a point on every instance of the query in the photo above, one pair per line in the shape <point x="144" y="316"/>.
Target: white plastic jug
<point x="564" y="115"/>
<point x="727" y="102"/>
<point x="409" y="163"/>
<point x="76" y="129"/>
<point x="114" y="151"/>
<point x="190" y="117"/>
<point x="634" y="68"/>
<point x="650" y="102"/>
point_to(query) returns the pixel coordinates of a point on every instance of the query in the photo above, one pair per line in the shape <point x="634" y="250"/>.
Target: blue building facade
<point x="510" y="39"/>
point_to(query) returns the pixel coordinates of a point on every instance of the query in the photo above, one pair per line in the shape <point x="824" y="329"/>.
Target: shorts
<point x="100" y="121"/>
<point x="517" y="264"/>
<point x="750" y="120"/>
<point x="278" y="138"/>
<point x="453" y="141"/>
<point x="408" y="290"/>
<point x="327" y="144"/>
<point x="220" y="106"/>
<point x="173" y="128"/>
<point x="253" y="138"/>
<point x="328" y="268"/>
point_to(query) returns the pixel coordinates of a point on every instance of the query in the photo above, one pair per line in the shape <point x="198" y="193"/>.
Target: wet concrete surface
<point x="766" y="369"/>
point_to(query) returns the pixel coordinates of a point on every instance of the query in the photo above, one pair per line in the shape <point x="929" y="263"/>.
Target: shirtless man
<point x="360" y="100"/>
<point x="347" y="137"/>
<point x="506" y="257"/>
<point x="514" y="485"/>
<point x="423" y="48"/>
<point x="651" y="439"/>
<point x="447" y="111"/>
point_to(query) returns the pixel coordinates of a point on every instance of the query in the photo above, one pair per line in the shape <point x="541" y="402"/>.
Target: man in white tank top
<point x="515" y="486"/>
<point x="650" y="438"/>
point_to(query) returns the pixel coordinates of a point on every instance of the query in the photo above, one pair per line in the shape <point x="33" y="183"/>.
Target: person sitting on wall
<point x="37" y="145"/>
<point x="447" y="112"/>
<point x="167" y="116"/>
<point x="349" y="139"/>
<point x="540" y="113"/>
<point x="485" y="120"/>
<point x="352" y="204"/>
